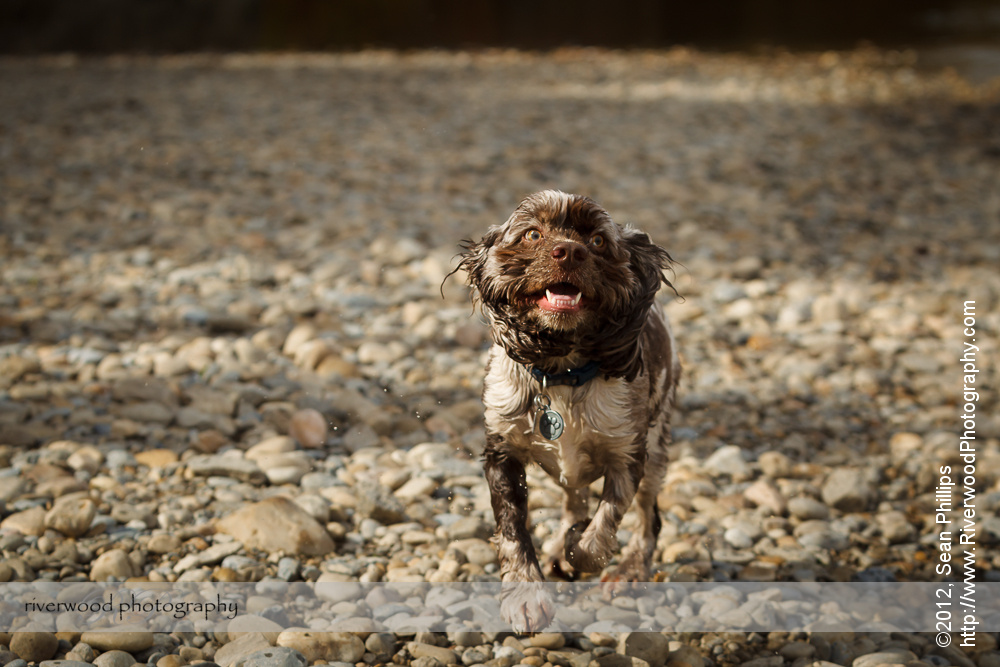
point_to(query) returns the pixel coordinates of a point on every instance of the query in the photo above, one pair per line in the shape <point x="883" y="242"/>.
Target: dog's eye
<point x="597" y="241"/>
<point x="533" y="235"/>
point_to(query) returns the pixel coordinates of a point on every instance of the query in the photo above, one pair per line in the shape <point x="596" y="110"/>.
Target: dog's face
<point x="558" y="262"/>
<point x="561" y="277"/>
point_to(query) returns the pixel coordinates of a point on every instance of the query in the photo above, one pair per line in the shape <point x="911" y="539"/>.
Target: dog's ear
<point x="474" y="256"/>
<point x="619" y="348"/>
<point x="648" y="262"/>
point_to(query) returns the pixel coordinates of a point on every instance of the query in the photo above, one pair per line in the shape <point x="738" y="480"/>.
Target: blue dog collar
<point x="575" y="377"/>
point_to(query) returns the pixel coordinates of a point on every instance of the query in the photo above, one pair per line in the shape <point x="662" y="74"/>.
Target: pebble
<point x="191" y="654"/>
<point x="727" y="460"/>
<point x="895" y="527"/>
<point x="298" y="336"/>
<point x="684" y="656"/>
<point x="86" y="458"/>
<point x="806" y="508"/>
<point x="371" y="352"/>
<point x="209" y="556"/>
<point x="309" y="428"/>
<point x="818" y="534"/>
<point x="156" y="458"/>
<point x="288" y="569"/>
<point x="240" y="646"/>
<point x="277" y="656"/>
<point x="163" y="543"/>
<point x="34" y="646"/>
<point x="373" y="502"/>
<point x="652" y="647"/>
<point x="848" y="490"/>
<point x="737" y="538"/>
<point x="764" y="493"/>
<point x="83" y="652"/>
<point x="114" y="659"/>
<point x="129" y="642"/>
<point x="71" y="515"/>
<point x="381" y="644"/>
<point x="619" y="660"/>
<point x="277" y="524"/>
<point x="112" y="565"/>
<point x="797" y="650"/>
<point x="677" y="551"/>
<point x="279" y="444"/>
<point x="225" y="466"/>
<point x="883" y="657"/>
<point x="469" y="527"/>
<point x="13" y="487"/>
<point x="769" y="661"/>
<point x="286" y="474"/>
<point x="443" y="656"/>
<point x="477" y="551"/>
<point x="325" y="646"/>
<point x="415" y="488"/>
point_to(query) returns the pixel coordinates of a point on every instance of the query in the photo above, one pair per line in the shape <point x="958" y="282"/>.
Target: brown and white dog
<point x="570" y="298"/>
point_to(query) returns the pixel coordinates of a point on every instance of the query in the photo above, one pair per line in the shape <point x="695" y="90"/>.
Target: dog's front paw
<point x="526" y="605"/>
<point x="557" y="567"/>
<point x="587" y="550"/>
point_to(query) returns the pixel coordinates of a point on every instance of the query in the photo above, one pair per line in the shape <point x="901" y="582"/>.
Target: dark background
<point x="158" y="26"/>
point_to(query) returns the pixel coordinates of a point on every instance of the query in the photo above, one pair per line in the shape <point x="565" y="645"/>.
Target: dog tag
<point x="548" y="422"/>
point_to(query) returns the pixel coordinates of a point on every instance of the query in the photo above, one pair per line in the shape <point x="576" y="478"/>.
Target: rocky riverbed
<point x="226" y="353"/>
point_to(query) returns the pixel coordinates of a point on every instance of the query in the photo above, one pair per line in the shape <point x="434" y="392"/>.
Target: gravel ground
<point x="220" y="309"/>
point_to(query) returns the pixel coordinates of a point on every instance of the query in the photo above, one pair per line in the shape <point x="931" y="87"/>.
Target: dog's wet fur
<point x="563" y="285"/>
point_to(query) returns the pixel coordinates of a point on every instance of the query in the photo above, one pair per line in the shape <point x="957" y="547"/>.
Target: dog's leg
<point x="524" y="602"/>
<point x="637" y="556"/>
<point x="589" y="547"/>
<point x="574" y="511"/>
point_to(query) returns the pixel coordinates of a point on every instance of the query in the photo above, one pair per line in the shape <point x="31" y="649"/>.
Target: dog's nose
<point x="569" y="254"/>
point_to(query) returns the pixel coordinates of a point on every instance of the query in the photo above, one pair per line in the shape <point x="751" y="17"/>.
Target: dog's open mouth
<point x="561" y="298"/>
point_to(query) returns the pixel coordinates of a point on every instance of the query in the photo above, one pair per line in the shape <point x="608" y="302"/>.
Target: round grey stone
<point x="278" y="656"/>
<point x="805" y="508"/>
<point x="381" y="644"/>
<point x="114" y="659"/>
